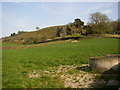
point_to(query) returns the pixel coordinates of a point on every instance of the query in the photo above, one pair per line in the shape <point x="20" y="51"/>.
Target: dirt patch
<point x="34" y="75"/>
<point x="75" y="41"/>
<point x="71" y="76"/>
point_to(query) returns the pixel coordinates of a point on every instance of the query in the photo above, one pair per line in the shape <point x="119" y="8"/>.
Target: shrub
<point x="19" y="32"/>
<point x="77" y="35"/>
<point x="13" y="34"/>
<point x="31" y="40"/>
<point x="43" y="39"/>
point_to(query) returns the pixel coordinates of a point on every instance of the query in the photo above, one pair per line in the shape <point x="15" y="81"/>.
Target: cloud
<point x="0" y="19"/>
<point x="13" y="24"/>
<point x="55" y="13"/>
<point x="23" y="3"/>
<point x="60" y="0"/>
<point x="68" y="9"/>
<point x="15" y="21"/>
<point x="100" y="6"/>
<point x="71" y="10"/>
<point x="107" y="11"/>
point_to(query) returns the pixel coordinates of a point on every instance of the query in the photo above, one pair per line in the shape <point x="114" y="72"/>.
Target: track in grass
<point x="14" y="46"/>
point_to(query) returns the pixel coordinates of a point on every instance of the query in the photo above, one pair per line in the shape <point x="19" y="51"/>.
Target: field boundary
<point x="28" y="46"/>
<point x="52" y="43"/>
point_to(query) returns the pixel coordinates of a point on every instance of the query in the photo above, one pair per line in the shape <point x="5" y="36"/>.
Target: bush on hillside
<point x="58" y="32"/>
<point x="13" y="34"/>
<point x="102" y="28"/>
<point x="19" y="32"/>
<point x="31" y="40"/>
<point x="77" y="35"/>
<point x="43" y="39"/>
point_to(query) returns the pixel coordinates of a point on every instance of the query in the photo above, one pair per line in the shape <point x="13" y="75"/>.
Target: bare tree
<point x="100" y="23"/>
<point x="97" y="17"/>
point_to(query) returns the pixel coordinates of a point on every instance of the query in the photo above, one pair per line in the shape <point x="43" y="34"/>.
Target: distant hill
<point x="36" y="36"/>
<point x="48" y="34"/>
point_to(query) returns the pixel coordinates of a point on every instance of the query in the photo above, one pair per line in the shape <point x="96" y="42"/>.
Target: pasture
<point x="17" y="64"/>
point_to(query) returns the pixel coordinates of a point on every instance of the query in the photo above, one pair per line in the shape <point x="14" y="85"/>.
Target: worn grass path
<point x="31" y="46"/>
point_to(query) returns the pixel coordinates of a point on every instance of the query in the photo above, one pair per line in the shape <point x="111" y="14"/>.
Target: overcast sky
<point x="22" y="16"/>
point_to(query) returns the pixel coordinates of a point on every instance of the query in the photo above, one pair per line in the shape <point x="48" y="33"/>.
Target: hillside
<point x="76" y="29"/>
<point x="35" y="36"/>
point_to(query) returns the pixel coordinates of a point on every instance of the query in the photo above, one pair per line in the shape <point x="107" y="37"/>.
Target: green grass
<point x="73" y="71"/>
<point x="17" y="64"/>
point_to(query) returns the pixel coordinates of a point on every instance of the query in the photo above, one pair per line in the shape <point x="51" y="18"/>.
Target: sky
<point x="26" y="16"/>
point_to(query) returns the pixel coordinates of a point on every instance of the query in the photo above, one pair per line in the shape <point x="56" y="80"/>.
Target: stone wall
<point x="105" y="63"/>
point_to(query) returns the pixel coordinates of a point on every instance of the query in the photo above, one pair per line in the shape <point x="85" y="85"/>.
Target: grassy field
<point x="17" y="64"/>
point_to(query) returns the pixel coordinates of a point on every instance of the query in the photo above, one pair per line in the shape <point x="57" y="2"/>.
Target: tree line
<point x="98" y="24"/>
<point x="19" y="32"/>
